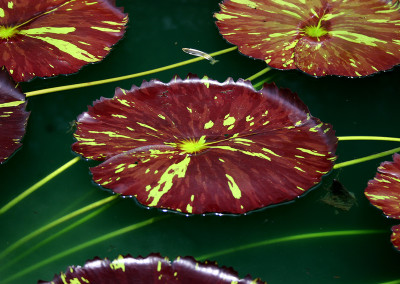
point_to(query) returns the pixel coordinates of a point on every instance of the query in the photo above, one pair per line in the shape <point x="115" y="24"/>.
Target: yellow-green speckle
<point x="11" y="104"/>
<point x="108" y="30"/>
<point x="165" y="183"/>
<point x="146" y="126"/>
<point x="229" y="120"/>
<point x="205" y="81"/>
<point x="45" y="30"/>
<point x="118" y="263"/>
<point x="233" y="187"/>
<point x="208" y="125"/>
<point x="68" y="48"/>
<point x="311" y="152"/>
<point x="159" y="266"/>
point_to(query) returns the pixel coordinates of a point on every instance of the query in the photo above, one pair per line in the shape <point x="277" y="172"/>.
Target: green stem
<point x="55" y="223"/>
<point x="261" y="83"/>
<point x="289" y="239"/>
<point x="367" y="158"/>
<point x="37" y="185"/>
<point x="392" y="282"/>
<point x="83" y="246"/>
<point x="370" y="157"/>
<point x="369" y="138"/>
<point x="258" y="74"/>
<point x="77" y="202"/>
<point x="58" y="234"/>
<point x="110" y="80"/>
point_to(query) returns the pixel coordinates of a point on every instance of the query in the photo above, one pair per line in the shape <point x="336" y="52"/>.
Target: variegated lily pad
<point x="384" y="193"/>
<point x="349" y="38"/>
<point x="197" y="145"/>
<point x="50" y="37"/>
<point x="152" y="269"/>
<point x="13" y="116"/>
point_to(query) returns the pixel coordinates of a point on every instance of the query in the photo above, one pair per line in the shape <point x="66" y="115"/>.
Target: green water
<point x="157" y="32"/>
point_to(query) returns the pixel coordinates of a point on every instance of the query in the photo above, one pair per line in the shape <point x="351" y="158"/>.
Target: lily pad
<point x="384" y="193"/>
<point x="198" y="146"/>
<point x="51" y="37"/>
<point x="151" y="269"/>
<point x="347" y="38"/>
<point x="13" y="116"/>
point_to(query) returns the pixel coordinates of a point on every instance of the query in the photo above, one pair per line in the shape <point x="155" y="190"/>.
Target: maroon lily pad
<point x="384" y="193"/>
<point x="348" y="38"/>
<point x="152" y="269"/>
<point x="197" y="145"/>
<point x="13" y="117"/>
<point x="51" y="37"/>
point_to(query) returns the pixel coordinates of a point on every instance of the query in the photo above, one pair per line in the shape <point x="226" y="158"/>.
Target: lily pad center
<point x="8" y="32"/>
<point x="315" y="31"/>
<point x="193" y="146"/>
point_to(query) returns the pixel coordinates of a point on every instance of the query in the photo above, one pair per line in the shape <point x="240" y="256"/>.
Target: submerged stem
<point x="366" y="158"/>
<point x="37" y="185"/>
<point x="289" y="239"/>
<point x="110" y="80"/>
<point x="58" y="234"/>
<point x="258" y="74"/>
<point x="83" y="246"/>
<point x="261" y="83"/>
<point x="391" y="282"/>
<point x="54" y="223"/>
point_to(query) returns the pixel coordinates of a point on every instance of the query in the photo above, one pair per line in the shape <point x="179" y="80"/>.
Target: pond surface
<point x="157" y="32"/>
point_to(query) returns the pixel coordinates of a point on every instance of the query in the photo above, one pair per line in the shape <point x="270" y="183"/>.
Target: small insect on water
<point x="199" y="53"/>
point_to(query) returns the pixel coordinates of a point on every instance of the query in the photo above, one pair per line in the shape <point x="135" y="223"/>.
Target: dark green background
<point x="156" y="32"/>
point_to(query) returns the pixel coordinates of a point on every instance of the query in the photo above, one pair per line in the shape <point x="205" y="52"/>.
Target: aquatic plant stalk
<point x="83" y="246"/>
<point x="58" y="234"/>
<point x="258" y="74"/>
<point x="115" y="79"/>
<point x="366" y="158"/>
<point x="261" y="83"/>
<point x="369" y="138"/>
<point x="55" y="223"/>
<point x="370" y="157"/>
<point x="78" y="201"/>
<point x="307" y="236"/>
<point x="391" y="282"/>
<point x="37" y="185"/>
